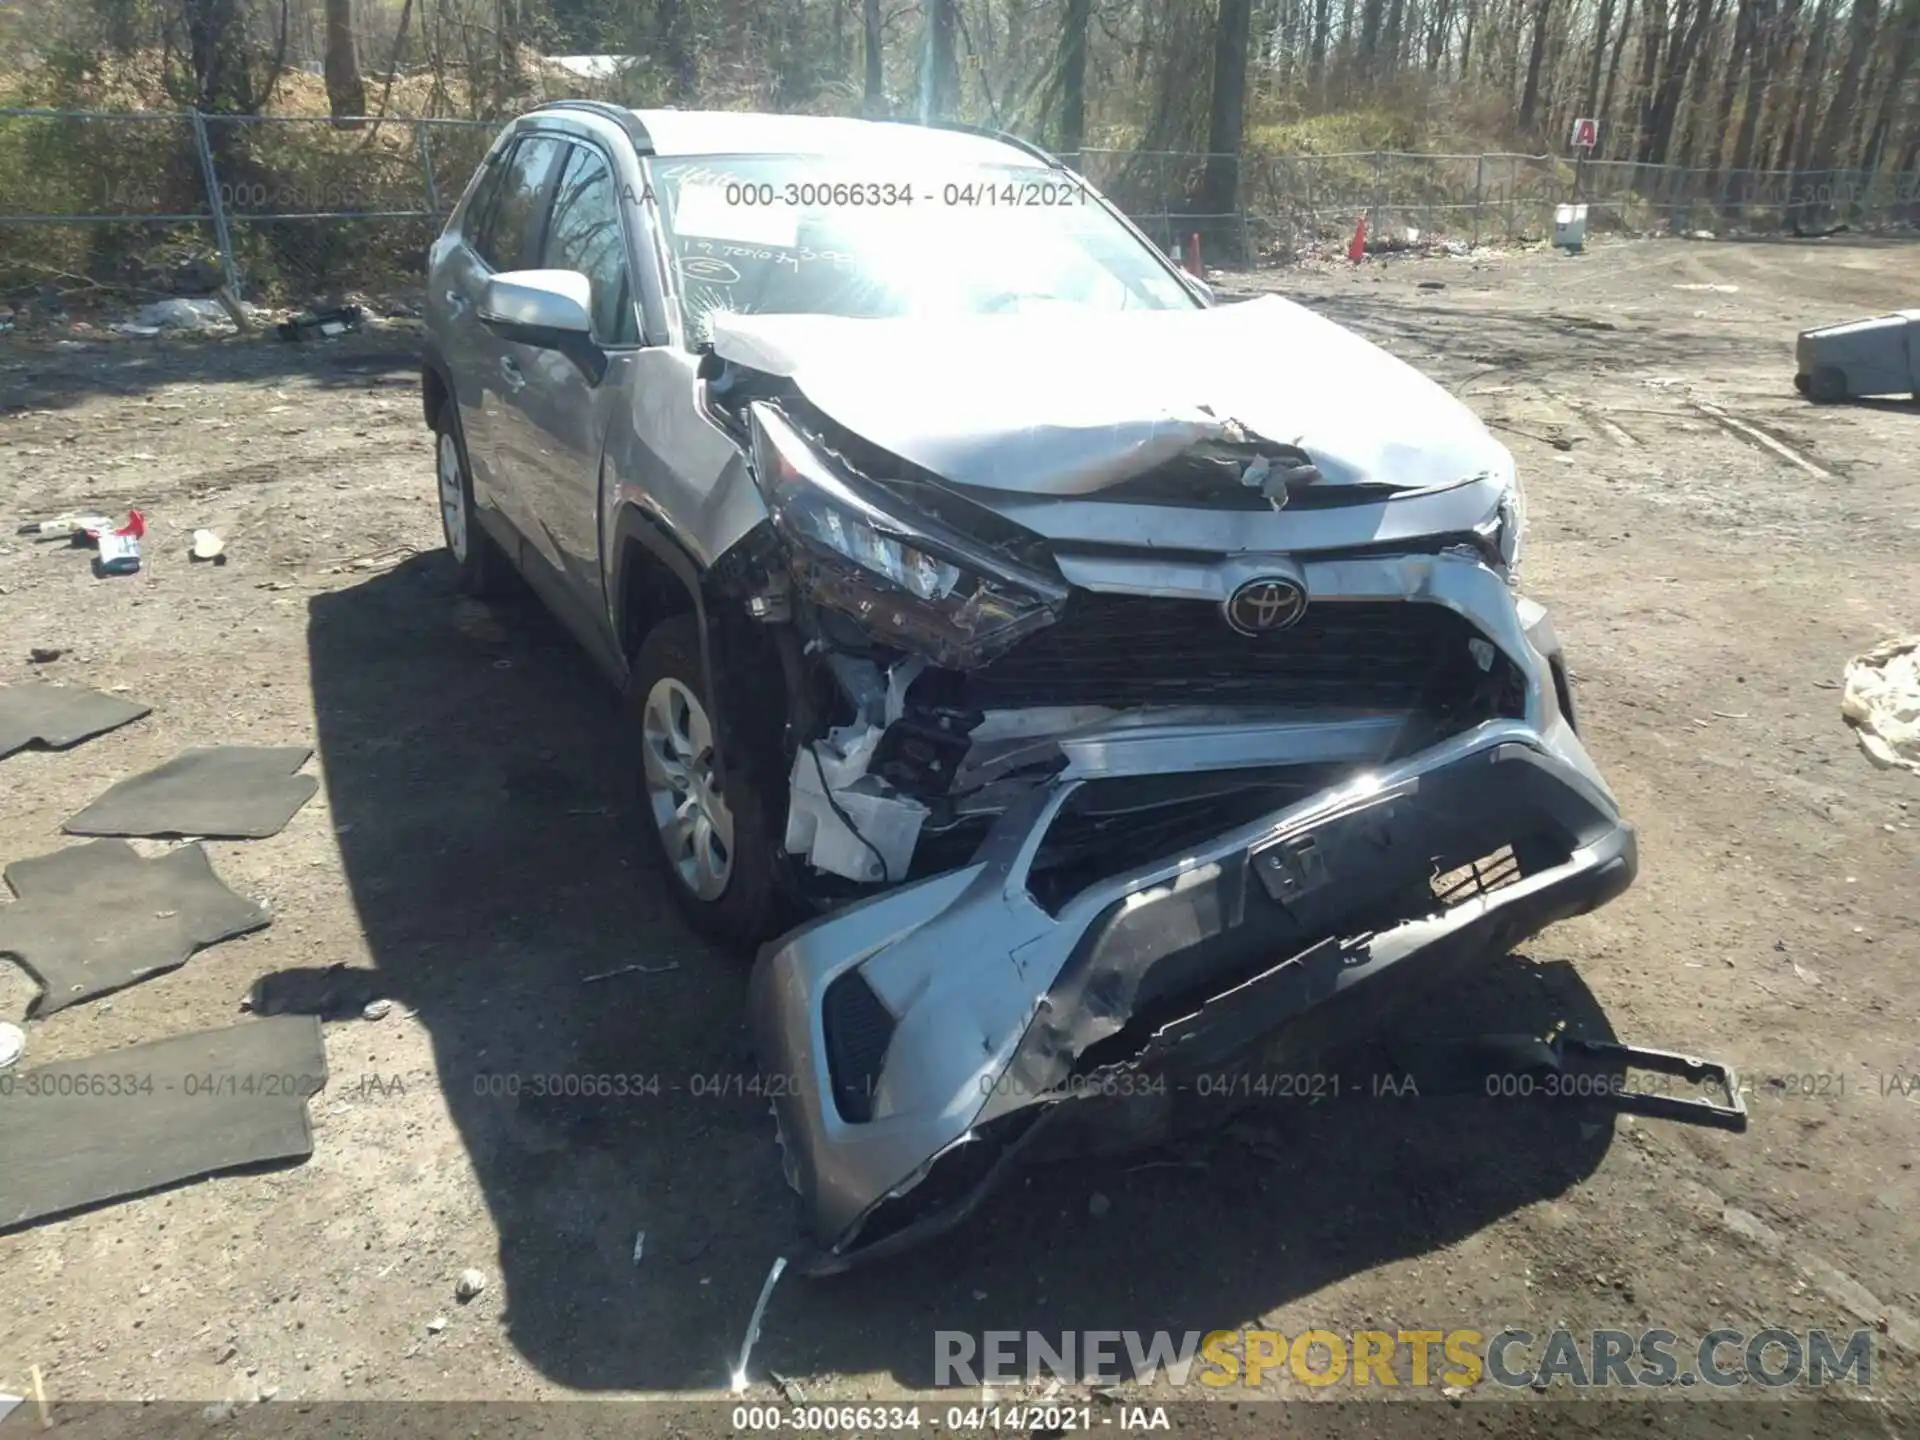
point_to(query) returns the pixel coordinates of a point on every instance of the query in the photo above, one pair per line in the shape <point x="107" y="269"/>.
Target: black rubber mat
<point x="83" y="1132"/>
<point x="226" y="792"/>
<point x="93" y="918"/>
<point x="59" y="715"/>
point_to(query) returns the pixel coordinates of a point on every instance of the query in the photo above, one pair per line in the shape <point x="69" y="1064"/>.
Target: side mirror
<point x="547" y="309"/>
<point x="1198" y="286"/>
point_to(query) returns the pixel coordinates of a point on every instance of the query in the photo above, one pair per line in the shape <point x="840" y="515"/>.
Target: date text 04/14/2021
<point x="1025" y="1419"/>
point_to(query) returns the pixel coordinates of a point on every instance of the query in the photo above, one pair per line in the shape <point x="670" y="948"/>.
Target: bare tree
<point x="940" y="62"/>
<point x="1860" y="37"/>
<point x="1605" y="112"/>
<point x="1906" y="52"/>
<point x="1227" y="117"/>
<point x="874" y="93"/>
<point x="1536" y="55"/>
<point x="1073" y="76"/>
<point x="674" y="25"/>
<point x="346" y="91"/>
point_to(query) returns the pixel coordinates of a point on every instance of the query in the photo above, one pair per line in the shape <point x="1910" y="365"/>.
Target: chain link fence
<point x="285" y="207"/>
<point x="270" y="206"/>
<point x="1293" y="206"/>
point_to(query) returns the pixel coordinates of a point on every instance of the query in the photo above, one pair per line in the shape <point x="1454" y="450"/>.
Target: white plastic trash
<point x="13" y="1044"/>
<point x="181" y="315"/>
<point x="1570" y="226"/>
<point x="879" y="845"/>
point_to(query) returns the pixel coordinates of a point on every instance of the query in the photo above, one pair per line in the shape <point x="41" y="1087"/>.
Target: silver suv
<point x="1117" y="692"/>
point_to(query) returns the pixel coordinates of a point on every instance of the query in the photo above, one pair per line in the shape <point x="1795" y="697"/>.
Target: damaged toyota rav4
<point x="1083" y="694"/>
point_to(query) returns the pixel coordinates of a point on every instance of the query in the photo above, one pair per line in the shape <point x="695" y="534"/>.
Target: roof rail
<point x="985" y="132"/>
<point x="628" y="122"/>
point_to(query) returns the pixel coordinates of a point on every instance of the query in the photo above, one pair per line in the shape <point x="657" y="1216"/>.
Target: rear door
<point x="453" y="317"/>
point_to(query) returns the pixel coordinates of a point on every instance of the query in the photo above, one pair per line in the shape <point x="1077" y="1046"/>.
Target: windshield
<point x="803" y="235"/>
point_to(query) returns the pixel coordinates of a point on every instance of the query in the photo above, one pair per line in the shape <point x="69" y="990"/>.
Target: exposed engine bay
<point x="1119" y="736"/>
<point x="947" y="662"/>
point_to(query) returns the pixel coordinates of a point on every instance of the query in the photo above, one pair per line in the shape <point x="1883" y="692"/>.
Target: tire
<point x="479" y="567"/>
<point x="1827" y="385"/>
<point x="688" y="819"/>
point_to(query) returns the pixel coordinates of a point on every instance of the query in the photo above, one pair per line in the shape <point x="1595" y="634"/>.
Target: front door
<point x="557" y="419"/>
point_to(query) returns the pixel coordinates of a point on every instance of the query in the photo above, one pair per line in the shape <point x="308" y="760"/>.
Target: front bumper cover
<point x="927" y="1038"/>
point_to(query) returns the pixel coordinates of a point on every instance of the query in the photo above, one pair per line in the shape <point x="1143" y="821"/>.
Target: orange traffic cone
<point x="1357" y="250"/>
<point x="1193" y="257"/>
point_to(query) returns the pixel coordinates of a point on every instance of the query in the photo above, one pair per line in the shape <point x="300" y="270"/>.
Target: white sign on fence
<point x="1586" y="134"/>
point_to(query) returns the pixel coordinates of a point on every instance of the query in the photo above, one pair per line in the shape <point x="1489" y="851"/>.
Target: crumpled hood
<point x="1069" y="402"/>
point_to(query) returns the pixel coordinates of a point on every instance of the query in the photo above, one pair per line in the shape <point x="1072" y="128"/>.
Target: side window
<point x="473" y="222"/>
<point x="584" y="235"/>
<point x="505" y="239"/>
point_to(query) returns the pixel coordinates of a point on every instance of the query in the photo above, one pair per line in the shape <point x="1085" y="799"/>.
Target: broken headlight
<point x="913" y="583"/>
<point x="1506" y="532"/>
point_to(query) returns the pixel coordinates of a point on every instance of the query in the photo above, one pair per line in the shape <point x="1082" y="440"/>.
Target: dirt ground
<point x="467" y="857"/>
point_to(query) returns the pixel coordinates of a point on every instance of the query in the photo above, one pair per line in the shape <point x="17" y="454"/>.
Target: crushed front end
<point x="1172" y="753"/>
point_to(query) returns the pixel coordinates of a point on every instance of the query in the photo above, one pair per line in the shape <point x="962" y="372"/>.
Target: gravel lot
<point x="468" y="858"/>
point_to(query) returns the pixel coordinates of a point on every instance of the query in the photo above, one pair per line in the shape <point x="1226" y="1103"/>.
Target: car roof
<point x="735" y="132"/>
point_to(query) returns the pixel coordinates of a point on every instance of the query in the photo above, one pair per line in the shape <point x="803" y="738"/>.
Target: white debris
<point x="1882" y="701"/>
<point x="753" y="1325"/>
<point x="844" y="820"/>
<point x="436" y="1324"/>
<point x="898" y="679"/>
<point x="13" y="1044"/>
<point x="470" y="1284"/>
<point x="207" y="545"/>
<point x="639" y="1245"/>
<point x="376" y="1010"/>
<point x="178" y="314"/>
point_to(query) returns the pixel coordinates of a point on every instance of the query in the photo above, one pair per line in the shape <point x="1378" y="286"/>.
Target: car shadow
<point x="43" y="374"/>
<point x="472" y="759"/>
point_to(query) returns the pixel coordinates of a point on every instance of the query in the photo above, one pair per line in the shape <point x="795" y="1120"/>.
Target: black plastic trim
<point x="628" y="122"/>
<point x="635" y="524"/>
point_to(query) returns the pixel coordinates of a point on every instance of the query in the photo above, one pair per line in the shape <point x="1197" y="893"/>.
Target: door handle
<point x="511" y="370"/>
<point x="456" y="302"/>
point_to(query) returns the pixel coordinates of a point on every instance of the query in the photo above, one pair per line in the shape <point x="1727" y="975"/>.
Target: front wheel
<point x="709" y="833"/>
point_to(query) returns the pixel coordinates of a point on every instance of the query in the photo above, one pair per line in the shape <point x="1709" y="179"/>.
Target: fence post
<point x="1373" y="224"/>
<point x="220" y="235"/>
<point x="1513" y="185"/>
<point x="426" y="166"/>
<point x="1313" y="207"/>
<point x="1479" y="180"/>
<point x="1240" y="195"/>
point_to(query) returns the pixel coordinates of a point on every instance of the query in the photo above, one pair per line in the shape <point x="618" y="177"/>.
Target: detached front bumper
<point x="922" y="1040"/>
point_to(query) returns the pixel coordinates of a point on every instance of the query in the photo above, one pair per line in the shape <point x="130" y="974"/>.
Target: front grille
<point x="1128" y="650"/>
<point x="1113" y="825"/>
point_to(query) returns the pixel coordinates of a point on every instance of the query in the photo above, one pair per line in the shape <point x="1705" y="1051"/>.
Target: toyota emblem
<point x="1273" y="602"/>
